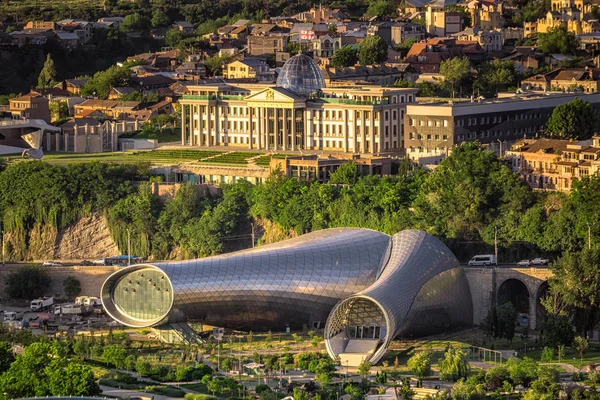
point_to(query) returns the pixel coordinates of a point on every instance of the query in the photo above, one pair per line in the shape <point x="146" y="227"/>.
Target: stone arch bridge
<point x="524" y="286"/>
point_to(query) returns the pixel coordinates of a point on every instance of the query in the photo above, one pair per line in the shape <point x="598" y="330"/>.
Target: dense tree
<point x="372" y="50"/>
<point x="160" y="18"/>
<point x="506" y="319"/>
<point x="496" y="76"/>
<point x="6" y="356"/>
<point x="345" y="56"/>
<point x="420" y="364"/>
<point x="470" y="191"/>
<point x="453" y="366"/>
<point x="71" y="286"/>
<point x="573" y="120"/>
<point x="382" y="8"/>
<point x="47" y="77"/>
<point x="27" y="283"/>
<point x="102" y="81"/>
<point x="558" y="40"/>
<point x="576" y="282"/>
<point x="133" y="22"/>
<point x="71" y="379"/>
<point x="558" y="331"/>
<point x="456" y="71"/>
<point x="345" y="174"/>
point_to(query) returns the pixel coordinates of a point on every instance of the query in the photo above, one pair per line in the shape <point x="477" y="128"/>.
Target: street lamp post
<point x="589" y="237"/>
<point x="3" y="259"/>
<point x="128" y="247"/>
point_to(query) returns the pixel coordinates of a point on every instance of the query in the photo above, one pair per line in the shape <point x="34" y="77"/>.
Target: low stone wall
<point x="91" y="278"/>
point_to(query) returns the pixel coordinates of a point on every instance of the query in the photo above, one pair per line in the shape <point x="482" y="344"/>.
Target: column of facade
<point x="345" y="130"/>
<point x="363" y="131"/>
<point x="191" y="140"/>
<point x="183" y="125"/>
<point x="250" y="144"/>
<point x="276" y="127"/>
<point x="209" y="139"/>
<point x="284" y="132"/>
<point x="293" y="129"/>
<point x="310" y="134"/>
<point x="217" y="130"/>
<point x="372" y="124"/>
<point x="259" y="127"/>
<point x="267" y="131"/>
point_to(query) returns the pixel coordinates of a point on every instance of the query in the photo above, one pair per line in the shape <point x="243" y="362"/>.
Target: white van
<point x="483" y="260"/>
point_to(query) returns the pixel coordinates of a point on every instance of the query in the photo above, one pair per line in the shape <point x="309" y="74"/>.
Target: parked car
<point x="524" y="263"/>
<point x="86" y="263"/>
<point x="51" y="264"/>
<point x="540" y="261"/>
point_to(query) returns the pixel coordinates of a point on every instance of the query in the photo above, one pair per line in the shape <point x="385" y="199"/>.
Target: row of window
<point x="429" y="122"/>
<point x="418" y="136"/>
<point x="495" y="133"/>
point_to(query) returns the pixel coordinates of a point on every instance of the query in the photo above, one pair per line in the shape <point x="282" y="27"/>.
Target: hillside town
<point x="349" y="200"/>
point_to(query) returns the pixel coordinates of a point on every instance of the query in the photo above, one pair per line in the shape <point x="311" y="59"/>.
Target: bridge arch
<point x="515" y="291"/>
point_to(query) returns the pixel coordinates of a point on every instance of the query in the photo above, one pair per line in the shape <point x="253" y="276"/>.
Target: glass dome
<point x="301" y="75"/>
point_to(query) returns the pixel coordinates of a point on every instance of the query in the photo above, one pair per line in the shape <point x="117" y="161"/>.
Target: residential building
<point x="194" y="69"/>
<point x="259" y="45"/>
<point x="320" y="15"/>
<point x="72" y="86"/>
<point x="110" y="22"/>
<point x="324" y="46"/>
<point x="248" y="68"/>
<point x="296" y="113"/>
<point x="83" y="29"/>
<point x="183" y="26"/>
<point x="118" y="92"/>
<point x="112" y="108"/>
<point x="431" y="130"/>
<point x="552" y="164"/>
<point x="526" y="57"/>
<point x="489" y="40"/>
<point x="577" y="79"/>
<point x="486" y="14"/>
<point x="585" y="80"/>
<point x="439" y="22"/>
<point x="427" y="56"/>
<point x="394" y="33"/>
<point x="383" y="75"/>
<point x="69" y="40"/>
<point x="46" y="25"/>
<point x="574" y="15"/>
<point x="320" y="167"/>
<point x="30" y="106"/>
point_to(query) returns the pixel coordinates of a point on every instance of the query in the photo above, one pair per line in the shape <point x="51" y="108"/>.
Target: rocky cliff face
<point x="89" y="239"/>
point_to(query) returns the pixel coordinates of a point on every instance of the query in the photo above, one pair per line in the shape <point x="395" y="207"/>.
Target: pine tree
<point x="48" y="73"/>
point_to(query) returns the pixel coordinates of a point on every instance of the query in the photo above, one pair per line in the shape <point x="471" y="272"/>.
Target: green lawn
<point x="164" y="136"/>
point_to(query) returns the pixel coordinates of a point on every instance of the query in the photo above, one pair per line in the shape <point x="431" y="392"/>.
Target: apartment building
<point x="439" y="22"/>
<point x="553" y="164"/>
<point x="30" y="106"/>
<point x="431" y="130"/>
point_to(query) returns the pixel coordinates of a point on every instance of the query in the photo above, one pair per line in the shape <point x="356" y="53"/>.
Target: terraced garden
<point x="265" y="160"/>
<point x="236" y="158"/>
<point x="176" y="154"/>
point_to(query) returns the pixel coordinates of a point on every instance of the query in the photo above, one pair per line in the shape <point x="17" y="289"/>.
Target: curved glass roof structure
<point x="301" y="75"/>
<point x="421" y="289"/>
<point x="365" y="286"/>
<point x="289" y="283"/>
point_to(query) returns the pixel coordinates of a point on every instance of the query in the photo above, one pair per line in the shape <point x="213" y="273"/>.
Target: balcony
<point x="198" y="97"/>
<point x="333" y="100"/>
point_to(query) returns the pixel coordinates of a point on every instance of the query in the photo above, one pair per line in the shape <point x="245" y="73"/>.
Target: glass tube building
<point x="364" y="287"/>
